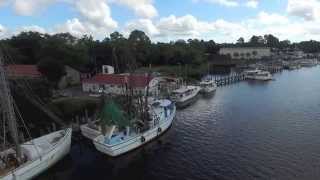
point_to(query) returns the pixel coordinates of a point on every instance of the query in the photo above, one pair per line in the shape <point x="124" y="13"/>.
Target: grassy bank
<point x="189" y="72"/>
<point x="69" y="106"/>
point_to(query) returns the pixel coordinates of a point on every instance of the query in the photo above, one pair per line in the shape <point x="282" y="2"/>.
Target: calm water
<point x="245" y="131"/>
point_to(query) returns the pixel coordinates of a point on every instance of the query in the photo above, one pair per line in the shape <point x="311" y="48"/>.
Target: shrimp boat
<point x="25" y="160"/>
<point x="185" y="95"/>
<point x="258" y="75"/>
<point x="208" y="86"/>
<point x="123" y="135"/>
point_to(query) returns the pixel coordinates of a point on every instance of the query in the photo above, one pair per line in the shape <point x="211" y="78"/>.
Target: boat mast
<point x="7" y="108"/>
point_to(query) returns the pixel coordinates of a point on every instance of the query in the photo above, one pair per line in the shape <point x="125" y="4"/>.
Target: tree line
<point x="52" y="52"/>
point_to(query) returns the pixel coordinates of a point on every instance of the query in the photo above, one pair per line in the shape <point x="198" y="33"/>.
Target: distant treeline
<point x="125" y="54"/>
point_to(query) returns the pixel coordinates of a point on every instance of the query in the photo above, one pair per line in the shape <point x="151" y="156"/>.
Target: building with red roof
<point x="116" y="83"/>
<point x="23" y="71"/>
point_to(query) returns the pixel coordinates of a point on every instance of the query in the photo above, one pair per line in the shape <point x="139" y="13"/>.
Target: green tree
<point x="240" y="41"/>
<point x="140" y="44"/>
<point x="52" y="69"/>
<point x="272" y="41"/>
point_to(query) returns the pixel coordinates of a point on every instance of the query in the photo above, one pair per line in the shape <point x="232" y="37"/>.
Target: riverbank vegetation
<point x="126" y="54"/>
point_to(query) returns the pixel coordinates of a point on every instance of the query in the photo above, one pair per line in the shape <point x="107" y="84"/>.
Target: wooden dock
<point x="272" y="69"/>
<point x="231" y="79"/>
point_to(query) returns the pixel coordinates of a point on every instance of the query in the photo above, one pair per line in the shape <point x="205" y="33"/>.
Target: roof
<point x="120" y="79"/>
<point x="25" y="71"/>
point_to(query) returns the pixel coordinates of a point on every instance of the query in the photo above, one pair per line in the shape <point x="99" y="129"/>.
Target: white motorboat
<point x="208" y="86"/>
<point x="185" y="95"/>
<point x="258" y="75"/>
<point x="309" y="62"/>
<point x="117" y="141"/>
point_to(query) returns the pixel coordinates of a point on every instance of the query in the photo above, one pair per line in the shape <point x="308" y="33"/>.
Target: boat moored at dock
<point x="117" y="141"/>
<point x="258" y="75"/>
<point x="185" y="95"/>
<point x="208" y="86"/>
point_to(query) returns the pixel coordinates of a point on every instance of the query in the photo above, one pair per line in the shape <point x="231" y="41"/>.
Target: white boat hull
<point x="135" y="142"/>
<point x="188" y="100"/>
<point x="33" y="168"/>
<point x="259" y="78"/>
<point x="208" y="90"/>
<point x="89" y="132"/>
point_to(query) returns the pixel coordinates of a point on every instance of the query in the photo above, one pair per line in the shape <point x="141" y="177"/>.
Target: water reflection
<point x="247" y="130"/>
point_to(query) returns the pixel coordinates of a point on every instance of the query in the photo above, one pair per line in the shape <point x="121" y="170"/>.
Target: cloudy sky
<point x="165" y="20"/>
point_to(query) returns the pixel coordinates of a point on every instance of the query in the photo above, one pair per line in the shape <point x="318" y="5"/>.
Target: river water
<point x="248" y="130"/>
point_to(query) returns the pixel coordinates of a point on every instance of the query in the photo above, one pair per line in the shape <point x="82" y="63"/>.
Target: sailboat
<point x="25" y="160"/>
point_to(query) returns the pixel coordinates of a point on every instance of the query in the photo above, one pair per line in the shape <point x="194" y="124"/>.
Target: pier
<point x="231" y="79"/>
<point x="272" y="69"/>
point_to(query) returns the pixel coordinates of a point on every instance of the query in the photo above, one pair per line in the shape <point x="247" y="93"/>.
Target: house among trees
<point x="117" y="84"/>
<point x="20" y="71"/>
<point x="72" y="77"/>
<point x="246" y="52"/>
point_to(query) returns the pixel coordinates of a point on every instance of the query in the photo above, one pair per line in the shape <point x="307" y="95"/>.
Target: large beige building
<point x="246" y="52"/>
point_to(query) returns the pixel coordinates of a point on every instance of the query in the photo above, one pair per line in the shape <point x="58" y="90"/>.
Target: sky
<point x="165" y="20"/>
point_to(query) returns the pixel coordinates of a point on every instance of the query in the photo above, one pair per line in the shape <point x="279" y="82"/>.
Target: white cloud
<point x="307" y="9"/>
<point x="30" y="7"/>
<point x="96" y="12"/>
<point x="145" y="25"/>
<point x="142" y="8"/>
<point x="79" y="28"/>
<point x="31" y="28"/>
<point x="3" y="32"/>
<point x="95" y="19"/>
<point x="3" y="2"/>
<point x="228" y="3"/>
<point x="271" y="18"/>
<point x="182" y="26"/>
<point x="74" y="27"/>
<point x="252" y="3"/>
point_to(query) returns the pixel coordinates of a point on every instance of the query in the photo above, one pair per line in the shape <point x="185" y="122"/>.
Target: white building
<point x="246" y="52"/>
<point x="117" y="83"/>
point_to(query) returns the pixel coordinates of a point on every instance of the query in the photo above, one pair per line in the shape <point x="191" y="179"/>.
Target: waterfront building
<point x="246" y="52"/>
<point x="117" y="83"/>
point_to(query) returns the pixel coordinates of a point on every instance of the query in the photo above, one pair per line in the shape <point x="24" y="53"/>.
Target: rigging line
<point x="26" y="128"/>
<point x="4" y="130"/>
<point x="21" y="118"/>
<point x="26" y="86"/>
